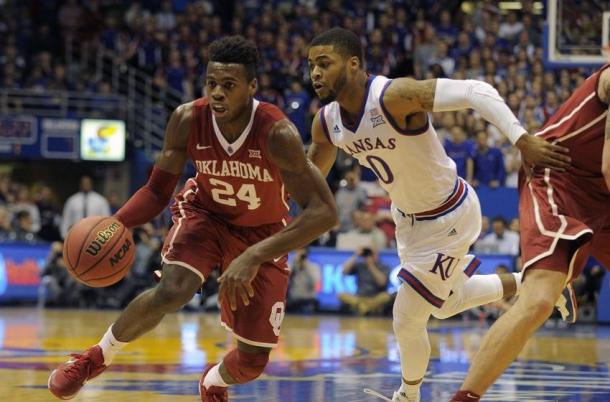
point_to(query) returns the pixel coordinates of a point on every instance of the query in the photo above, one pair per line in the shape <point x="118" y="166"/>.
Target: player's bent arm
<point x="151" y="199"/>
<point x="603" y="91"/>
<point x="406" y="96"/>
<point x="305" y="184"/>
<point x="321" y="152"/>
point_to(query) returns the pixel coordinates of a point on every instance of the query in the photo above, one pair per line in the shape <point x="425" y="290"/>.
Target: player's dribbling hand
<point x="237" y="280"/>
<point x="538" y="152"/>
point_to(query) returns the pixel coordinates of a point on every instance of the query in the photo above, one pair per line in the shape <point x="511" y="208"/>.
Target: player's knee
<point x="245" y="367"/>
<point x="442" y="313"/>
<point x="406" y="326"/>
<point x="173" y="292"/>
<point x="541" y="308"/>
<point x="171" y="297"/>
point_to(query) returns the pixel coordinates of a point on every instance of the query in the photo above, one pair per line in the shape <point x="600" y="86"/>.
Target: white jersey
<point x="412" y="165"/>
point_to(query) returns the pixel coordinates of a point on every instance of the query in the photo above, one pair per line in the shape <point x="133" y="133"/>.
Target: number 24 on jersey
<point x="224" y="193"/>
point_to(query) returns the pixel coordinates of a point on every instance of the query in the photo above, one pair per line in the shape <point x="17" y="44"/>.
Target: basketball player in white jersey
<point x="384" y="125"/>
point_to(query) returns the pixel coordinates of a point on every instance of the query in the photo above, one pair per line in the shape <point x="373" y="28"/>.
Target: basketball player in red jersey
<point x="565" y="217"/>
<point x="231" y="215"/>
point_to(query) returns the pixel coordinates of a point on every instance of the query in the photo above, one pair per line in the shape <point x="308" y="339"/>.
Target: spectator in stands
<point x="372" y="280"/>
<point x="70" y="17"/>
<point x="6" y="229"/>
<point x="512" y="162"/>
<point x="511" y="28"/>
<point x="489" y="167"/>
<point x="462" y="151"/>
<point x="350" y="197"/>
<point x="380" y="205"/>
<point x="267" y="93"/>
<point x="485" y="227"/>
<point x="24" y="227"/>
<point x="551" y="104"/>
<point x="83" y="204"/>
<point x="445" y="29"/>
<point x="50" y="217"/>
<point x="304" y="278"/>
<point x="500" y="241"/>
<point x="442" y="58"/>
<point x="55" y="281"/>
<point x="425" y="50"/>
<point x="23" y="202"/>
<point x="365" y="233"/>
<point x="447" y="122"/>
<point x="297" y="107"/>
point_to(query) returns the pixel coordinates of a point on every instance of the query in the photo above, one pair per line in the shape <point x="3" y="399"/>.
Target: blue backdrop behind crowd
<point x="22" y="264"/>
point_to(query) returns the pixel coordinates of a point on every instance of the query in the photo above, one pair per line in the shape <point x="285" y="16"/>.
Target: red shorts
<point x="201" y="243"/>
<point x="563" y="220"/>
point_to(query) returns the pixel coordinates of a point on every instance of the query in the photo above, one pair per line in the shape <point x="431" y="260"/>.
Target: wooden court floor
<point x="321" y="358"/>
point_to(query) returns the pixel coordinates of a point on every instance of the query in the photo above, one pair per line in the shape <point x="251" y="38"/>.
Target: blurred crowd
<point x="168" y="40"/>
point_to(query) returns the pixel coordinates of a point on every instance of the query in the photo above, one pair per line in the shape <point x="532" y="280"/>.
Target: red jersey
<point x="236" y="182"/>
<point x="579" y="125"/>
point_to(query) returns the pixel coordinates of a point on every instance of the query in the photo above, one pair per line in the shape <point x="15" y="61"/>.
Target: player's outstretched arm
<point x="321" y="152"/>
<point x="151" y="199"/>
<point x="305" y="184"/>
<point x="603" y="91"/>
<point x="407" y="96"/>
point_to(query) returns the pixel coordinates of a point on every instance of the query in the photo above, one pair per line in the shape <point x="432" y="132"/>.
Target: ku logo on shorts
<point x="444" y="265"/>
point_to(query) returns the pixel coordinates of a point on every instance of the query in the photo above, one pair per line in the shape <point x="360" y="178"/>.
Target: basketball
<point x="98" y="251"/>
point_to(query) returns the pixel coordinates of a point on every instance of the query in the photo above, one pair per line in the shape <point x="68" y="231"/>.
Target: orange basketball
<point x="99" y="250"/>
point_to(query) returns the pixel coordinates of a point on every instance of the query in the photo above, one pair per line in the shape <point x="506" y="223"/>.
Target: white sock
<point x="213" y="378"/>
<point x="411" y="391"/>
<point x="518" y="278"/>
<point x="476" y="291"/>
<point x="110" y="346"/>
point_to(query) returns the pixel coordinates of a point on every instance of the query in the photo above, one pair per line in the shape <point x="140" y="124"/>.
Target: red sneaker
<point x="212" y="394"/>
<point x="67" y="379"/>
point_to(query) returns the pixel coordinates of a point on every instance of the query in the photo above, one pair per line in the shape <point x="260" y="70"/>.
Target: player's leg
<point x="177" y="287"/>
<point x="478" y="291"/>
<point x="411" y="313"/>
<point x="256" y="326"/>
<point x="507" y="336"/>
<point x="241" y="365"/>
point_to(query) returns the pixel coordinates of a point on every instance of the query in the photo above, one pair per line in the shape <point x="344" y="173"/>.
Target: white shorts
<point x="433" y="248"/>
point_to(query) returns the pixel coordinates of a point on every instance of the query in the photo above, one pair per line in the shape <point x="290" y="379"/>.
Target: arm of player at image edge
<point x="603" y="91"/>
<point x="306" y="186"/>
<point x="321" y="151"/>
<point x="410" y="96"/>
<point x="152" y="198"/>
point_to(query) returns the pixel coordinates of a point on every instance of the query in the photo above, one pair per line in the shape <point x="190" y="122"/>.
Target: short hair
<point x="22" y="214"/>
<point x="236" y="49"/>
<point x="343" y="40"/>
<point x="500" y="218"/>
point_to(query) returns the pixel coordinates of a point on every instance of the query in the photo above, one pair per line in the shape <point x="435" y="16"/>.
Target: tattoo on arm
<point x="419" y="92"/>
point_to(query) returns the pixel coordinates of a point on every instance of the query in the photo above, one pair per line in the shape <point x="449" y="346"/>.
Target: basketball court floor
<point x="321" y="358"/>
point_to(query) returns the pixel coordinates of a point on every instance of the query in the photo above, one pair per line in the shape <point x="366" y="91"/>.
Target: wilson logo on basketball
<point x="102" y="238"/>
<point x="121" y="253"/>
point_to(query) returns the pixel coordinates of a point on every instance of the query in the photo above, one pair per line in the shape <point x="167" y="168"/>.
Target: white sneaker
<point x="397" y="397"/>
